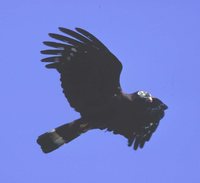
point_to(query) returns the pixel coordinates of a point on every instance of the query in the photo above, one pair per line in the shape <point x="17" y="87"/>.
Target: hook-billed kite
<point x="90" y="78"/>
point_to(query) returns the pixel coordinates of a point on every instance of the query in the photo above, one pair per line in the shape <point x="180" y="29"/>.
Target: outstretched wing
<point x="137" y="122"/>
<point x="89" y="71"/>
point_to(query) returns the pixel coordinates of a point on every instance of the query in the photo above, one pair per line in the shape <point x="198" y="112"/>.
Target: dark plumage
<point x="90" y="76"/>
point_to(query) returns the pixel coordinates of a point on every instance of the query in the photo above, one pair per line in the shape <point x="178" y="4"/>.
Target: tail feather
<point x="52" y="140"/>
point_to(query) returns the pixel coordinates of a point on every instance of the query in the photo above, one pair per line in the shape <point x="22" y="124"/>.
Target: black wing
<point x="152" y="115"/>
<point x="89" y="71"/>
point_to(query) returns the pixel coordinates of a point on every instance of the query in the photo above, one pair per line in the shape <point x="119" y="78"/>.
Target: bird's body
<point x="90" y="81"/>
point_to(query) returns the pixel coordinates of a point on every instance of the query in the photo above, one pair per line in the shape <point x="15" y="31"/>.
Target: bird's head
<point x="147" y="97"/>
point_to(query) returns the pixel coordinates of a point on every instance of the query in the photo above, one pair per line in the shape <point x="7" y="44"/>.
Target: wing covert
<point x="90" y="73"/>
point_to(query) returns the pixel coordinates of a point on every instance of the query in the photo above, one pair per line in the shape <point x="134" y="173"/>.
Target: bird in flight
<point x="90" y="78"/>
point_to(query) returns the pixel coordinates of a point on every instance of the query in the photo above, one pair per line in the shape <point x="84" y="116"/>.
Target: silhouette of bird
<point x="90" y="78"/>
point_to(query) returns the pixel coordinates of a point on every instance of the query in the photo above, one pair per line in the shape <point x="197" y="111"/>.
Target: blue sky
<point x="158" y="43"/>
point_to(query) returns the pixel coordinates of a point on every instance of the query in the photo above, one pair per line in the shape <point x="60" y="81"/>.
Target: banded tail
<point x="61" y="135"/>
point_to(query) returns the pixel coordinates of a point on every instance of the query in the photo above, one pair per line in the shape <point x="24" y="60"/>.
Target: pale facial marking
<point x="145" y="95"/>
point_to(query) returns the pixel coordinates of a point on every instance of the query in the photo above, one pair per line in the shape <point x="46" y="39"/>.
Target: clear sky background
<point x="158" y="43"/>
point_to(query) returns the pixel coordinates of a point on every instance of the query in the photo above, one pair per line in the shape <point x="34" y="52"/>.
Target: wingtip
<point x="45" y="43"/>
<point x="44" y="59"/>
<point x="61" y="29"/>
<point x="79" y="29"/>
<point x="52" y="66"/>
<point x="52" y="35"/>
<point x="66" y="30"/>
<point x="42" y="51"/>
